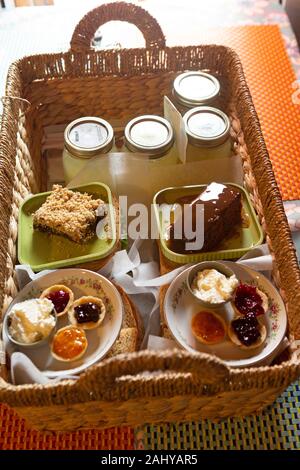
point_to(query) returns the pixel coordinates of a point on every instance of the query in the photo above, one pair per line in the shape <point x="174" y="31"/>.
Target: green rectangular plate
<point x="232" y="248"/>
<point x="47" y="251"/>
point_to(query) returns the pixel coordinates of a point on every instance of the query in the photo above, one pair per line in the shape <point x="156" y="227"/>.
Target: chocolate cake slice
<point x="222" y="213"/>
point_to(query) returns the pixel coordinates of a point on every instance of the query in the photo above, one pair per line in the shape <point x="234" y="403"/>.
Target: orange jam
<point x="69" y="343"/>
<point x="208" y="327"/>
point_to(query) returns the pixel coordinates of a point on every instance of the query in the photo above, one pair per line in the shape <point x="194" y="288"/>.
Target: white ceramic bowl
<point x="34" y="345"/>
<point x="218" y="266"/>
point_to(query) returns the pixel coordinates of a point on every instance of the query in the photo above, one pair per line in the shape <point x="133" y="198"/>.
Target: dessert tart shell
<point x="210" y="343"/>
<point x="265" y="306"/>
<point x="57" y="287"/>
<point x="59" y="358"/>
<point x="233" y="337"/>
<point x="84" y="300"/>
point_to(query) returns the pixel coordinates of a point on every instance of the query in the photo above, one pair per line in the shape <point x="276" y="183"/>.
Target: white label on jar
<point x="149" y="133"/>
<point x="196" y="87"/>
<point x="206" y="125"/>
<point x="175" y="118"/>
<point x="88" y="135"/>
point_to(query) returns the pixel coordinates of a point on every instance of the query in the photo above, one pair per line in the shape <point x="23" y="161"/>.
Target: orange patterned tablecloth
<point x="15" y="435"/>
<point x="270" y="77"/>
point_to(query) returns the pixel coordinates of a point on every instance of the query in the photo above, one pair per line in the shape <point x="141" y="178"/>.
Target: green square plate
<point x="232" y="248"/>
<point x="47" y="251"/>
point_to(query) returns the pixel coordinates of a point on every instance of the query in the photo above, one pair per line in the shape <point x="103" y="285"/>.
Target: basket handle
<point x="121" y="11"/>
<point x="205" y="368"/>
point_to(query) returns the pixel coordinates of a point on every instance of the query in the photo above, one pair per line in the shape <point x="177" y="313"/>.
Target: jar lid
<point x="88" y="136"/>
<point x="149" y="134"/>
<point x="206" y="126"/>
<point x="195" y="88"/>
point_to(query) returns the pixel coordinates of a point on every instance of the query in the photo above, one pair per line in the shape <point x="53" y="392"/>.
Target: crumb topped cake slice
<point x="68" y="213"/>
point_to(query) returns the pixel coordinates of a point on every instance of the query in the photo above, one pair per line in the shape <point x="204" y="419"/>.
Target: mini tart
<point x="265" y="300"/>
<point x="265" y="304"/>
<point x="216" y="328"/>
<point x="233" y="337"/>
<point x="55" y="288"/>
<point x="88" y="325"/>
<point x="69" y="344"/>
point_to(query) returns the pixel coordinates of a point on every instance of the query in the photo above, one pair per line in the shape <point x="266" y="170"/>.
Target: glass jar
<point x="85" y="138"/>
<point x="208" y="132"/>
<point x="195" y="88"/>
<point x="152" y="135"/>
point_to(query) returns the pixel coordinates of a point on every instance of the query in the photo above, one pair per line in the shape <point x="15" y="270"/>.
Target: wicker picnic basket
<point x="52" y="89"/>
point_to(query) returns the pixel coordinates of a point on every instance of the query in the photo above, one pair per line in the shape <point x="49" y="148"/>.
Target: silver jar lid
<point x="149" y="134"/>
<point x="88" y="136"/>
<point x="206" y="126"/>
<point x="195" y="88"/>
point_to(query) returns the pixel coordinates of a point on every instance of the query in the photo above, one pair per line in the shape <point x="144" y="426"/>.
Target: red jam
<point x="88" y="312"/>
<point x="60" y="299"/>
<point x="246" y="329"/>
<point x="208" y="327"/>
<point x="247" y="300"/>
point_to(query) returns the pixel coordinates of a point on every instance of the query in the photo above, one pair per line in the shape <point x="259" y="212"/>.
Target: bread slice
<point x="129" y="320"/>
<point x="126" y="343"/>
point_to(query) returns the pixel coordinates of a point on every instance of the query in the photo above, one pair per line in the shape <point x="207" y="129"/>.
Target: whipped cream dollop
<point x="31" y="320"/>
<point x="214" y="287"/>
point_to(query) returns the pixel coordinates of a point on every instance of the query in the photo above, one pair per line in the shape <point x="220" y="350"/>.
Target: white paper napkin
<point x="23" y="371"/>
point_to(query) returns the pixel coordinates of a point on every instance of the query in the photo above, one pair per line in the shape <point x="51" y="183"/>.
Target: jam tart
<point x="247" y="331"/>
<point x="69" y="344"/>
<point x="61" y="296"/>
<point x="249" y="299"/>
<point x="208" y="327"/>
<point x="87" y="312"/>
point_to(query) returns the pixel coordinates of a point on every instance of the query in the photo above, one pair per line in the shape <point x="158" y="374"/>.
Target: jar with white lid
<point x="85" y="138"/>
<point x="195" y="88"/>
<point x="208" y="132"/>
<point x="152" y="135"/>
